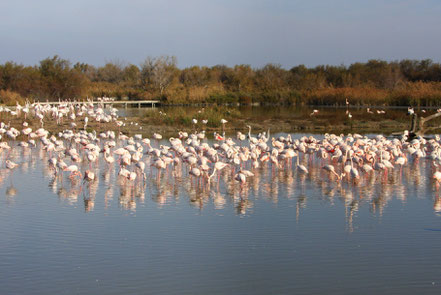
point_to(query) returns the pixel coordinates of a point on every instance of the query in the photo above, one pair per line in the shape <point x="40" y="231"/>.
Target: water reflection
<point x="11" y="192"/>
<point x="270" y="182"/>
<point x="437" y="204"/>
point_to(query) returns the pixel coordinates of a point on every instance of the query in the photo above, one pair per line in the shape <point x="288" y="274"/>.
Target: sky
<point x="212" y="32"/>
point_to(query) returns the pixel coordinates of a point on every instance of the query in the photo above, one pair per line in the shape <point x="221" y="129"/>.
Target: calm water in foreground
<point x="283" y="233"/>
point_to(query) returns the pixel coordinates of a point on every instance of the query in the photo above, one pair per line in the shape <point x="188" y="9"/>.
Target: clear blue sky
<point x="210" y="32"/>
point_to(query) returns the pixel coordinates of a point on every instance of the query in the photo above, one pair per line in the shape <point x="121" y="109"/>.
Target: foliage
<point x="10" y="98"/>
<point x="60" y="80"/>
<point x="406" y="82"/>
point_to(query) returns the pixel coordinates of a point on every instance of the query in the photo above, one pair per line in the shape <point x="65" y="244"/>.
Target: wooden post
<point x="417" y="127"/>
<point x="413" y="125"/>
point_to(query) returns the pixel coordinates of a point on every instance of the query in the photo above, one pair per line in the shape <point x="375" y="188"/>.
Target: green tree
<point x="131" y="75"/>
<point x="110" y="72"/>
<point x="60" y="80"/>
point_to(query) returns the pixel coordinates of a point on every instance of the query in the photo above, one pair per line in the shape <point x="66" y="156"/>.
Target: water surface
<point x="282" y="233"/>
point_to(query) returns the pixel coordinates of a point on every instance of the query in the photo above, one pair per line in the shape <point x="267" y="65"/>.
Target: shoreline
<point x="134" y="125"/>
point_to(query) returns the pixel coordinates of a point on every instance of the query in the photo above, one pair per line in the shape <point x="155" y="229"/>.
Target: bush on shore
<point x="10" y="98"/>
<point x="376" y="82"/>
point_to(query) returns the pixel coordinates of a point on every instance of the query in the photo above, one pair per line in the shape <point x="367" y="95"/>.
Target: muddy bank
<point x="148" y="126"/>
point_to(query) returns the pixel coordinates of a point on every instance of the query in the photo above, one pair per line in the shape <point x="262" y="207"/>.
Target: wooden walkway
<point x="139" y="103"/>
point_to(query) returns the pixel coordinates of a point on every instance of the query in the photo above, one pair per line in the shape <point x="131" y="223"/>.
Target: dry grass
<point x="338" y="96"/>
<point x="417" y="94"/>
<point x="410" y="94"/>
<point x="10" y="98"/>
<point x="407" y="94"/>
<point x="193" y="95"/>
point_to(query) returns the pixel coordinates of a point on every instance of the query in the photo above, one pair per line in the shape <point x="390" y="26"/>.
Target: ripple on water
<point x="281" y="233"/>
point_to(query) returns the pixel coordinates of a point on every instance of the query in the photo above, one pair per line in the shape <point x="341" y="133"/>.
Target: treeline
<point x="405" y="82"/>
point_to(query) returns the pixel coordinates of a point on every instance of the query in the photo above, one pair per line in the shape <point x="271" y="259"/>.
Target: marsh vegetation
<point x="376" y="82"/>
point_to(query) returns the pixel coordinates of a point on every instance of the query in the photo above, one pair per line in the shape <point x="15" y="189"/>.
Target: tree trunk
<point x="417" y="126"/>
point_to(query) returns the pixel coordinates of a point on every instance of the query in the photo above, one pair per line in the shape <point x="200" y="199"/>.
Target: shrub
<point x="10" y="98"/>
<point x="223" y="98"/>
<point x="245" y="99"/>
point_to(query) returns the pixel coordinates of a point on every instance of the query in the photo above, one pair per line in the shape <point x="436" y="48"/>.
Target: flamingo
<point x="223" y="122"/>
<point x="354" y="171"/>
<point x="159" y="164"/>
<point x="141" y="167"/>
<point x="300" y="167"/>
<point x="218" y="166"/>
<point x="73" y="169"/>
<point x="331" y="169"/>
<point x="10" y="165"/>
<point x="89" y="175"/>
<point x="240" y="177"/>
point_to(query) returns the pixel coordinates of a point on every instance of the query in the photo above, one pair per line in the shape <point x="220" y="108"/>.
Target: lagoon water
<point x="283" y="233"/>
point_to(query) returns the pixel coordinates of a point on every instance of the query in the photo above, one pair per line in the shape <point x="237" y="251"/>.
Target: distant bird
<point x="218" y="166"/>
<point x="302" y="168"/>
<point x="331" y="169"/>
<point x="223" y="122"/>
<point x="10" y="165"/>
<point x="196" y="172"/>
<point x="157" y="136"/>
<point x="240" y="177"/>
<point x="240" y="136"/>
<point x="73" y="169"/>
<point x="132" y="176"/>
<point x="89" y="175"/>
<point x="218" y="137"/>
<point x="159" y="164"/>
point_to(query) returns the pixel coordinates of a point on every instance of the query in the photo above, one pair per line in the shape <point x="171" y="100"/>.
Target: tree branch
<point x="424" y="120"/>
<point x="431" y="128"/>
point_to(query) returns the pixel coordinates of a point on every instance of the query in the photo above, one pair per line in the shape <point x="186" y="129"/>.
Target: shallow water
<point x="294" y="119"/>
<point x="281" y="233"/>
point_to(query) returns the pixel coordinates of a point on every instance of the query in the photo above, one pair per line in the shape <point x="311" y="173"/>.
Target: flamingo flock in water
<point x="76" y="153"/>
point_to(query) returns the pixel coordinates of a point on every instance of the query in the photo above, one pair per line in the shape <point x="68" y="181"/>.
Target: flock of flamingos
<point x="237" y="163"/>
